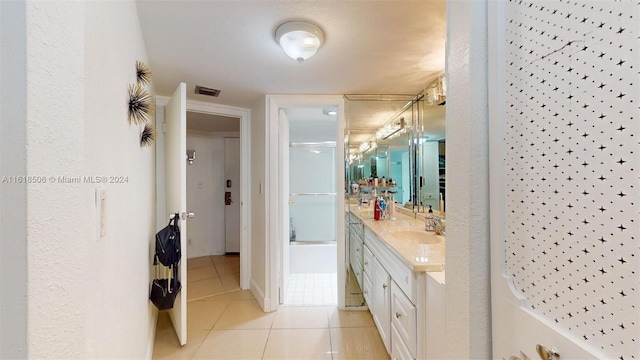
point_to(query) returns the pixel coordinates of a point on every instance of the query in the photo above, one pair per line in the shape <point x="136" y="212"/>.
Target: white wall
<point x="205" y="193"/>
<point x="468" y="314"/>
<point x="13" y="196"/>
<point x="87" y="296"/>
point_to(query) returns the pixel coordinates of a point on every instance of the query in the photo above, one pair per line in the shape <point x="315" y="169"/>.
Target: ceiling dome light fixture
<point x="299" y="39"/>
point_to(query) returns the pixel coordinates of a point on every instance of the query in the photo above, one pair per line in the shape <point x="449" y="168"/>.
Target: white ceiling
<point x="371" y="47"/>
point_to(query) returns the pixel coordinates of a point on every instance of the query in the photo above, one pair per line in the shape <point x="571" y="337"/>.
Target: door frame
<point x="274" y="202"/>
<point x="245" y="167"/>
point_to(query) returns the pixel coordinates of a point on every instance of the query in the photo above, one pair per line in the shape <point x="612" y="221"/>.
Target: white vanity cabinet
<point x="394" y="312"/>
<point x="403" y="285"/>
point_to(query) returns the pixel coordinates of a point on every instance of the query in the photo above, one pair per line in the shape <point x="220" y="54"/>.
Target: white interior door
<point x="554" y="280"/>
<point x="232" y="194"/>
<point x="176" y="193"/>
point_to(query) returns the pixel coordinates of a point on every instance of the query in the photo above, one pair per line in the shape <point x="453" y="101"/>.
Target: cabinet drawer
<point x="368" y="260"/>
<point x="403" y="317"/>
<point x="399" y="350"/>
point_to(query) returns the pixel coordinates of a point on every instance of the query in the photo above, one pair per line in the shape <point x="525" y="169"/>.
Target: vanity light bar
<point x="366" y="146"/>
<point x="390" y="129"/>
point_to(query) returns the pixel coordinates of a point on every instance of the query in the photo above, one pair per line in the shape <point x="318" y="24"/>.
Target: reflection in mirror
<point x="394" y="147"/>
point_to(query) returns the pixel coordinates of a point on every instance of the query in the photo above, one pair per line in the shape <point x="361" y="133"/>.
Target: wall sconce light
<point x="191" y="156"/>
<point x="300" y="40"/>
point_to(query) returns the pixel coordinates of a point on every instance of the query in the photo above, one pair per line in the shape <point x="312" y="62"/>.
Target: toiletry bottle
<point x="392" y="208"/>
<point x="430" y="224"/>
<point x="376" y="210"/>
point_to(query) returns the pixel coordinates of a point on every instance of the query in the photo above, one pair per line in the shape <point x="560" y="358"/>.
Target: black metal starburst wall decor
<point x="143" y="73"/>
<point x="148" y="135"/>
<point x="140" y="104"/>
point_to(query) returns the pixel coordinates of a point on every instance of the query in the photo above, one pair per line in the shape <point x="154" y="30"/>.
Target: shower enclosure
<point x="311" y="185"/>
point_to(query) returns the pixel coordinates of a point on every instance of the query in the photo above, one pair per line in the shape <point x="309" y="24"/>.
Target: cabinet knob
<point x="384" y="286"/>
<point x="398" y="315"/>
<point x="366" y="263"/>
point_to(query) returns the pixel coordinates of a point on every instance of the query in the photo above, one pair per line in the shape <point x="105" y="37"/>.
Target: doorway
<point x="243" y="199"/>
<point x="308" y="175"/>
<point x="293" y="200"/>
<point x="213" y="172"/>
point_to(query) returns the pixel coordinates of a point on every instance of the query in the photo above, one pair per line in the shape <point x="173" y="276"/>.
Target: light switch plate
<point x="101" y="198"/>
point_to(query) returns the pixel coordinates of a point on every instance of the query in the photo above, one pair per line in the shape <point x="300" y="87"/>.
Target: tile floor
<point x="211" y="275"/>
<point x="232" y="326"/>
<point x="312" y="289"/>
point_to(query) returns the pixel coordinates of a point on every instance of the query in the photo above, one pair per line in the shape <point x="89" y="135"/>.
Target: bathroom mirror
<point x="400" y="138"/>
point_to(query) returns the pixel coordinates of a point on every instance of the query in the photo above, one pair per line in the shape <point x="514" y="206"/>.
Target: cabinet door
<point x="403" y="318"/>
<point x="399" y="350"/>
<point x="381" y="302"/>
<point x="367" y="286"/>
<point x="367" y="265"/>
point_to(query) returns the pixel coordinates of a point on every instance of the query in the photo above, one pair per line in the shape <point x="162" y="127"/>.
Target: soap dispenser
<point x="430" y="223"/>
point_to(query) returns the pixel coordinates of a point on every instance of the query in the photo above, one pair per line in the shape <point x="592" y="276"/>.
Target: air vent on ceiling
<point x="207" y="91"/>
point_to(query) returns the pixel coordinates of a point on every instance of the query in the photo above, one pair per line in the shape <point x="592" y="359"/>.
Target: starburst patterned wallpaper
<point x="573" y="166"/>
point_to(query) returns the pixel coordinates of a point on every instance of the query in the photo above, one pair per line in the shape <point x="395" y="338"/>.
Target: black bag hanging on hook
<point x="164" y="291"/>
<point x="168" y="243"/>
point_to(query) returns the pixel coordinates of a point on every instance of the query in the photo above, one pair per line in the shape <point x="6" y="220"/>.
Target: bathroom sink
<point x="416" y="236"/>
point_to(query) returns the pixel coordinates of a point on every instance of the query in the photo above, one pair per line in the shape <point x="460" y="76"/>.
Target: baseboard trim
<point x="258" y="293"/>
<point x="152" y="333"/>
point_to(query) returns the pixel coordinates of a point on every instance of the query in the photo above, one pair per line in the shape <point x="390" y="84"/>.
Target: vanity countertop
<point x="419" y="257"/>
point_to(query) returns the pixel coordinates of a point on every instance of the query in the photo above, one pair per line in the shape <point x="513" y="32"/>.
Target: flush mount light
<point x="299" y="39"/>
<point x="329" y="112"/>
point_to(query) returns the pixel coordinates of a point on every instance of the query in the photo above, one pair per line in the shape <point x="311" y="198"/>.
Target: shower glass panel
<point x="312" y="192"/>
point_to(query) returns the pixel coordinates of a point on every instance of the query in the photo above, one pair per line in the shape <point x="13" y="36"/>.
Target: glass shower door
<point x="312" y="192"/>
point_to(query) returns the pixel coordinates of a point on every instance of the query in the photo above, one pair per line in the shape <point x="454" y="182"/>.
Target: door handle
<point x="546" y="354"/>
<point x="183" y="215"/>
<point x="227" y="198"/>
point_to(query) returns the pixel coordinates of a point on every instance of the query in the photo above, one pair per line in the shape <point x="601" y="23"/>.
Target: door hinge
<point x="164" y="127"/>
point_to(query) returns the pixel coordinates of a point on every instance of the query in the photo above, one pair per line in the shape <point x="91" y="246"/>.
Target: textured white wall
<point x="13" y="204"/>
<point x="88" y="296"/>
<point x="468" y="317"/>
<point x="205" y="194"/>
